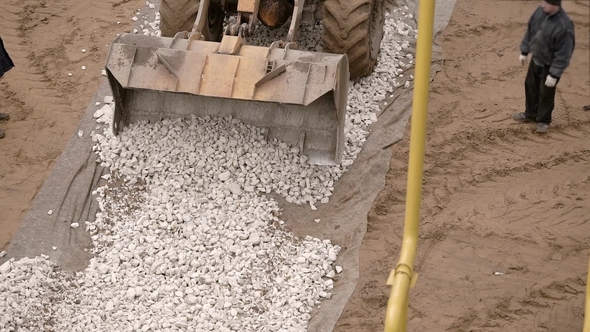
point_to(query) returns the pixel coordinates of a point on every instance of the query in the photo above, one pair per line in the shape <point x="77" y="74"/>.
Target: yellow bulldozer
<point x="202" y="65"/>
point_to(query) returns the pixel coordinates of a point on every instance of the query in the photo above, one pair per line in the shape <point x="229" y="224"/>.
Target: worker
<point x="550" y="39"/>
<point x="5" y="65"/>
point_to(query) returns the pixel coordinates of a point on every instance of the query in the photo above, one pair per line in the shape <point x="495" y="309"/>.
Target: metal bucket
<point x="300" y="97"/>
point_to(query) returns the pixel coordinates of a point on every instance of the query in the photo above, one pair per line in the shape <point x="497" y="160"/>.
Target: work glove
<point x="551" y="81"/>
<point x="522" y="59"/>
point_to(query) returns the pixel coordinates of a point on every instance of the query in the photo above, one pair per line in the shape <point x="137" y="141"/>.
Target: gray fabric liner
<point x="343" y="219"/>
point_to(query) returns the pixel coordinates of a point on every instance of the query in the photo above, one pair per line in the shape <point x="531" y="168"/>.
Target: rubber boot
<point x="542" y="127"/>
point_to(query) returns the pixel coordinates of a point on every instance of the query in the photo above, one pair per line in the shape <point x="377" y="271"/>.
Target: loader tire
<point x="180" y="15"/>
<point x="355" y="28"/>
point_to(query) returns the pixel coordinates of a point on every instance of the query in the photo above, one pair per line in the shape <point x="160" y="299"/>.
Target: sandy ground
<point x="45" y="40"/>
<point x="497" y="197"/>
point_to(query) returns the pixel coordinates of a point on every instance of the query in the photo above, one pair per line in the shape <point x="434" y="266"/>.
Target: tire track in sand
<point x="19" y="96"/>
<point x="497" y="197"/>
<point x="45" y="40"/>
<point x="531" y="229"/>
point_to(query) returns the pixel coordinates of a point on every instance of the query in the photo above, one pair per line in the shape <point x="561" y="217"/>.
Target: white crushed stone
<point x="50" y="212"/>
<point x="185" y="238"/>
<point x="206" y="149"/>
<point x="29" y="289"/>
<point x="105" y="114"/>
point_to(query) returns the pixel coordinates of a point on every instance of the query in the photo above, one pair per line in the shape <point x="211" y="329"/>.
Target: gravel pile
<point x="219" y="158"/>
<point x="29" y="288"/>
<point x="185" y="239"/>
<point x="365" y="93"/>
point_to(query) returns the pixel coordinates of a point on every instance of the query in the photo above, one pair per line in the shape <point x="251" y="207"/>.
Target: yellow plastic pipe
<point x="402" y="278"/>
<point x="587" y="306"/>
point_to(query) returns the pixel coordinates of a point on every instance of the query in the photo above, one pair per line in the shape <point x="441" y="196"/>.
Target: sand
<point x="497" y="196"/>
<point x="45" y="40"/>
<point x="505" y="235"/>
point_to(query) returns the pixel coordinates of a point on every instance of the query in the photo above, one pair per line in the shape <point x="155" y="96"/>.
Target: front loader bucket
<point x="300" y="97"/>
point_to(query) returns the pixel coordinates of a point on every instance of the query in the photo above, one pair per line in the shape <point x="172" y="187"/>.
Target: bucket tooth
<point x="231" y="44"/>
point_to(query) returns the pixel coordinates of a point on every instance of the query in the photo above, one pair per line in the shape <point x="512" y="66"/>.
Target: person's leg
<point x="532" y="90"/>
<point x="7" y="64"/>
<point x="3" y="117"/>
<point x="546" y="100"/>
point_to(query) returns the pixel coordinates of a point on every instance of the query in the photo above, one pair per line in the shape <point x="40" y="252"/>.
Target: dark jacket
<point x="5" y="61"/>
<point x="551" y="40"/>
